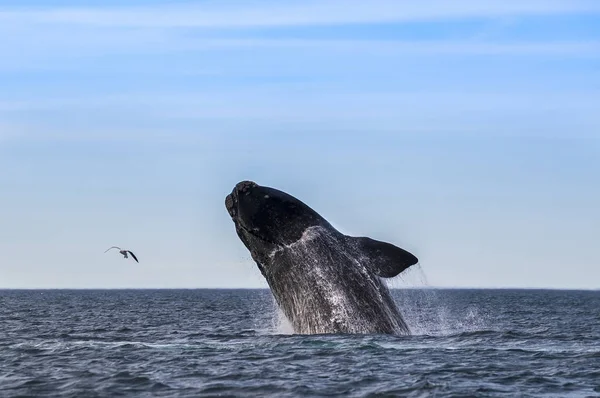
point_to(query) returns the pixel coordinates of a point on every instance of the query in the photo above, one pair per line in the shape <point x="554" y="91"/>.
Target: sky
<point x="466" y="132"/>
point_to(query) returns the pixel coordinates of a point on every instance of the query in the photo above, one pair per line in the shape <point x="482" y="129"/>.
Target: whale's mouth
<point x="253" y="233"/>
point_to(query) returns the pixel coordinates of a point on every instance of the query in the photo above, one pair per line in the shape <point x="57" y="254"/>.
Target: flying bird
<point x="123" y="252"/>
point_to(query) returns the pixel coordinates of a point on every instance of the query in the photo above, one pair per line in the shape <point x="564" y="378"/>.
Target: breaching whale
<point x="322" y="280"/>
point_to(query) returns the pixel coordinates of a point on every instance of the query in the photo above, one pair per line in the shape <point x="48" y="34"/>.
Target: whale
<point x="323" y="281"/>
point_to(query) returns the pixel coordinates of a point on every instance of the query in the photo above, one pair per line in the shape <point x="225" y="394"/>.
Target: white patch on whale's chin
<point x="309" y="234"/>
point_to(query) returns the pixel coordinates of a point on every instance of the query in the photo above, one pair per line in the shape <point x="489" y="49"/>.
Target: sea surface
<point x="195" y="343"/>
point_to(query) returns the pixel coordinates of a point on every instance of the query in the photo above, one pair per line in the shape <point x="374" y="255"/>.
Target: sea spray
<point x="427" y="310"/>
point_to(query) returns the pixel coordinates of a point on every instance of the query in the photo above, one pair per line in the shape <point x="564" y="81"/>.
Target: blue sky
<point x="467" y="132"/>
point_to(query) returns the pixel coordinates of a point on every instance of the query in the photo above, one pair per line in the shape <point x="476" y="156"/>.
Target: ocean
<point x="197" y="343"/>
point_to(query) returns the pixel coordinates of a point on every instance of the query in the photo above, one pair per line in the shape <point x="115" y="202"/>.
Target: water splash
<point x="427" y="311"/>
<point x="414" y="276"/>
<point x="283" y="325"/>
<point x="279" y="324"/>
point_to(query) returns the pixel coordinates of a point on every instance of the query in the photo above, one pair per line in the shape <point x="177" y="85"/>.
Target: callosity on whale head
<point x="323" y="280"/>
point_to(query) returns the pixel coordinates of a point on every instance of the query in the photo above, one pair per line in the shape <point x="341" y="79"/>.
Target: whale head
<point x="266" y="218"/>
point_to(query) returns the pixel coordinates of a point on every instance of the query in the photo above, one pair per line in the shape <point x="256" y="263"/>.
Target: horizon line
<point x="267" y="288"/>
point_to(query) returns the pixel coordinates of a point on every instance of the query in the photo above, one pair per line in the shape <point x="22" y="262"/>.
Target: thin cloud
<point x="101" y="42"/>
<point x="409" y="112"/>
<point x="268" y="100"/>
<point x="439" y="47"/>
<point x="274" y="14"/>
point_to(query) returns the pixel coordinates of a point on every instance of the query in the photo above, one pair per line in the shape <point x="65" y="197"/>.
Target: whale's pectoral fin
<point x="385" y="259"/>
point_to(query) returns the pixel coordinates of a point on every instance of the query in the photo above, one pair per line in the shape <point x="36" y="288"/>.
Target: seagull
<point x="123" y="252"/>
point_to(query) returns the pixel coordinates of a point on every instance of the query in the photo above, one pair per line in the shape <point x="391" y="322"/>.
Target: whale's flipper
<point x="385" y="259"/>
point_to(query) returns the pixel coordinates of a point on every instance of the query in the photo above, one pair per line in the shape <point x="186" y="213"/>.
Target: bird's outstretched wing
<point x="133" y="255"/>
<point x="114" y="247"/>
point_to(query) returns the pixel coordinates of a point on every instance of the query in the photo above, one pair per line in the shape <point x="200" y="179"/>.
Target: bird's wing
<point x="114" y="247"/>
<point x="133" y="255"/>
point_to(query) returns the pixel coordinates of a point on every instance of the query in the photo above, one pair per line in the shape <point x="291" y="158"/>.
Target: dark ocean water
<point x="191" y="343"/>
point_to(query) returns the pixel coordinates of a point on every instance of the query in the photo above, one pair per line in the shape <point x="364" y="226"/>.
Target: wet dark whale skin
<point x="323" y="281"/>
